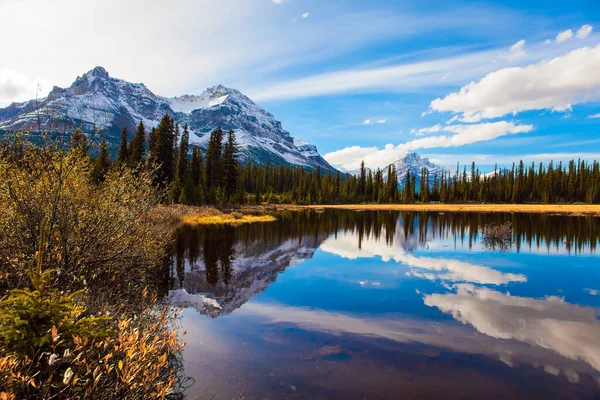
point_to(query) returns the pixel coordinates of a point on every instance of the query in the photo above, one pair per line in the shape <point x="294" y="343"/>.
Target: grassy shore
<point x="568" y="209"/>
<point x="180" y="214"/>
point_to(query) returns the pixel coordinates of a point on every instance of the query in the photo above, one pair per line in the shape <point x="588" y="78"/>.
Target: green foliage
<point x="136" y="146"/>
<point x="102" y="164"/>
<point x="123" y="155"/>
<point x="31" y="319"/>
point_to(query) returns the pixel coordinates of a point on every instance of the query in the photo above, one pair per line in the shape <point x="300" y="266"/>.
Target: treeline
<point x="216" y="177"/>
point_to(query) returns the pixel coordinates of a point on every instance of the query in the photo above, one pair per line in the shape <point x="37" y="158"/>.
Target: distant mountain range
<point x="412" y="162"/>
<point x="99" y="103"/>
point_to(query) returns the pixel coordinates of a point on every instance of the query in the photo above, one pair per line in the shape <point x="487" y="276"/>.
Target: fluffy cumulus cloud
<point x="305" y="15"/>
<point x="367" y="122"/>
<point x="556" y="84"/>
<point x="584" y="31"/>
<point x="564" y="36"/>
<point x="351" y="157"/>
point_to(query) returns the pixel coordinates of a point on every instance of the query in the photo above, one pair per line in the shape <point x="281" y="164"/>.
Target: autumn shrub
<point x="82" y="265"/>
<point x="99" y="236"/>
<point x="141" y="359"/>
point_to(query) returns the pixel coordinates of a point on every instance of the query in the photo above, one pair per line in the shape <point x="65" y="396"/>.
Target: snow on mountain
<point x="413" y="162"/>
<point x="98" y="103"/>
<point x="253" y="269"/>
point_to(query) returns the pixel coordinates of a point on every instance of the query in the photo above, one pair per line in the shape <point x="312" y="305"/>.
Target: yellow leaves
<point x="6" y="396"/>
<point x="54" y="333"/>
<point x="120" y="365"/>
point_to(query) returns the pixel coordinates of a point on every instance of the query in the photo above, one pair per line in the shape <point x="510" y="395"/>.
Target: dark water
<point x="389" y="305"/>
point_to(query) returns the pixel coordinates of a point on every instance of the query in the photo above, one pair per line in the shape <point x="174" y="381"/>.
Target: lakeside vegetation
<point x="84" y="242"/>
<point x="192" y="215"/>
<point x="81" y="261"/>
<point x="215" y="176"/>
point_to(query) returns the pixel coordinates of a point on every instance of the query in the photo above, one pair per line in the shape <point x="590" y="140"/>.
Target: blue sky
<point x="358" y="79"/>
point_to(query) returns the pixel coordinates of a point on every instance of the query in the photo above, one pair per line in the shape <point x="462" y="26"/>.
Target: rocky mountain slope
<point x="100" y="104"/>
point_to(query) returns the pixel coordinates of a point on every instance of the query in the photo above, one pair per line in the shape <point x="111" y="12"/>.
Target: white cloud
<point x="584" y="31"/>
<point x="516" y="50"/>
<point x="564" y="36"/>
<point x="371" y="122"/>
<point x="409" y="77"/>
<point x="15" y="86"/>
<point x="351" y="157"/>
<point x="548" y="41"/>
<point x="555" y="84"/>
<point x="593" y="292"/>
<point x="569" y="330"/>
<point x="594" y="116"/>
<point x="193" y="55"/>
<point x="305" y="15"/>
<point x="278" y="1"/>
<point x="424" y="131"/>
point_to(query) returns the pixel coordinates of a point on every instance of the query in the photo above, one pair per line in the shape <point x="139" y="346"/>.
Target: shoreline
<point x="566" y="209"/>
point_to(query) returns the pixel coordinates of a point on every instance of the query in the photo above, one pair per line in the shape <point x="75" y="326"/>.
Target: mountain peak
<point x="96" y="98"/>
<point x="98" y="72"/>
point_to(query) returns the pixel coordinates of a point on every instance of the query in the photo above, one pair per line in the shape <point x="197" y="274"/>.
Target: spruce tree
<point x="178" y="193"/>
<point x="79" y="142"/>
<point x="102" y="164"/>
<point x="196" y="174"/>
<point x="230" y="166"/>
<point x="123" y="155"/>
<point x="213" y="160"/>
<point x="136" y="146"/>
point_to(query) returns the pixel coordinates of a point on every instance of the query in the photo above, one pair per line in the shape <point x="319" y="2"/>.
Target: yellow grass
<point x="225" y="219"/>
<point x="177" y="214"/>
<point x="571" y="209"/>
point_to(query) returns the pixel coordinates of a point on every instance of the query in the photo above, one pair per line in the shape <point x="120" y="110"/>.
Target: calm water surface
<point x="390" y="305"/>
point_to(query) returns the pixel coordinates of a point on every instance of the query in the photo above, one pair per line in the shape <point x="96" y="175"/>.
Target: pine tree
<point x="178" y="192"/>
<point x="123" y="155"/>
<point x="136" y="146"/>
<point x="102" y="164"/>
<point x="213" y="160"/>
<point x="231" y="167"/>
<point x="196" y="175"/>
<point x="362" y="181"/>
<point x="79" y="142"/>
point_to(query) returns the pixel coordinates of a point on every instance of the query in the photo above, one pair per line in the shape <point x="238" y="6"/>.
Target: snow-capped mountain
<point x="414" y="163"/>
<point x="99" y="103"/>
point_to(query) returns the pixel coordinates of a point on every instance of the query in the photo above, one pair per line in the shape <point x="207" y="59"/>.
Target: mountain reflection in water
<point x="346" y="304"/>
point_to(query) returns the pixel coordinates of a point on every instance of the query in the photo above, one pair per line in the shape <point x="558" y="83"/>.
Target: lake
<point x="389" y="305"/>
